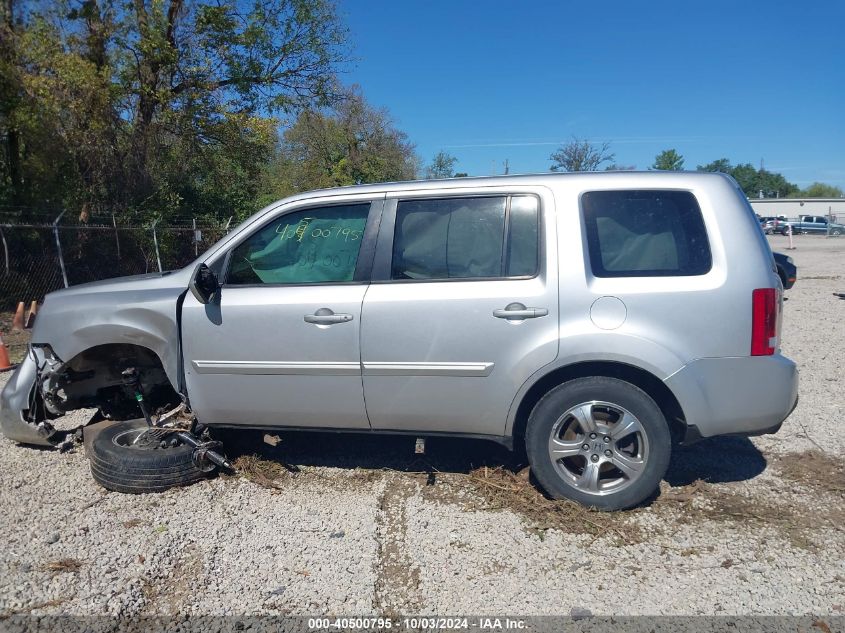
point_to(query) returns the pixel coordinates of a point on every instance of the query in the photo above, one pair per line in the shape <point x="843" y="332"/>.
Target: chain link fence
<point x="39" y="257"/>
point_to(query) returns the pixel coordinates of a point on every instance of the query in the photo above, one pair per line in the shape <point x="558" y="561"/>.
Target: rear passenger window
<point x="645" y="234"/>
<point x="465" y="238"/>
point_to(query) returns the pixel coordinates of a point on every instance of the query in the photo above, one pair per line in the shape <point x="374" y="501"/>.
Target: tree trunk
<point x="12" y="140"/>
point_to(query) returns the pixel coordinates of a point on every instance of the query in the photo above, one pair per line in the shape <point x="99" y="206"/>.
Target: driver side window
<point x="317" y="245"/>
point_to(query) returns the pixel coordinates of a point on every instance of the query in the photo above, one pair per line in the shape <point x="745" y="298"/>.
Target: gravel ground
<point x="358" y="526"/>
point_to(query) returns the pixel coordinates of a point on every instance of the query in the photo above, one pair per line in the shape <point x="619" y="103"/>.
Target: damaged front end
<point x="44" y="387"/>
<point x="21" y="418"/>
<point x="84" y="337"/>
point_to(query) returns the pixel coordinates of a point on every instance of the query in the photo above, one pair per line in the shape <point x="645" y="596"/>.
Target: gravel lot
<point x="347" y="525"/>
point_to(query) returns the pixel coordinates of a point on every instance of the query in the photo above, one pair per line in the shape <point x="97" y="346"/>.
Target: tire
<point x="836" y="232"/>
<point x="561" y="420"/>
<point x="116" y="466"/>
<point x="784" y="231"/>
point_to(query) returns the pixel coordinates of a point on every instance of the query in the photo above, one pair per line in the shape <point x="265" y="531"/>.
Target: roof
<point x="543" y="178"/>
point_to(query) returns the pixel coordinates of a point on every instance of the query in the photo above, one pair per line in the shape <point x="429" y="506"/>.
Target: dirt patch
<point x="786" y="516"/>
<point x="817" y="470"/>
<point x="397" y="578"/>
<point x="165" y="597"/>
<point x="499" y="488"/>
<point x="510" y="487"/>
<point x="782" y="515"/>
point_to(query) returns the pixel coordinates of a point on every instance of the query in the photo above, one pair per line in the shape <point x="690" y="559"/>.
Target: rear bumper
<point x="15" y="402"/>
<point x="749" y="395"/>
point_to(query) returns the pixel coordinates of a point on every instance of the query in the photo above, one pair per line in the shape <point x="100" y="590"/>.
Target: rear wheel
<point x="124" y="459"/>
<point x="600" y="441"/>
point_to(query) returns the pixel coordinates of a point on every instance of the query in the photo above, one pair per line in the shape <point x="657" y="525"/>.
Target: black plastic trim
<point x="503" y="440"/>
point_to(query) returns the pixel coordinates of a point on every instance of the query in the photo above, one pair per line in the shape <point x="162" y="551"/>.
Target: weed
<point x="70" y="565"/>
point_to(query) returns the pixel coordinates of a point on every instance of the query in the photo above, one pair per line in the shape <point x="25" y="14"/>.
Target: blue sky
<point x="494" y="80"/>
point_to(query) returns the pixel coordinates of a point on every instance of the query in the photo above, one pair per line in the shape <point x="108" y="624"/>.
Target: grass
<point x="263" y="472"/>
<point x="499" y="488"/>
<point x="64" y="565"/>
<point x="780" y="512"/>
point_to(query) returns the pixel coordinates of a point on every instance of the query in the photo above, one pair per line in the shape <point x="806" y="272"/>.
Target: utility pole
<point x="507" y="167"/>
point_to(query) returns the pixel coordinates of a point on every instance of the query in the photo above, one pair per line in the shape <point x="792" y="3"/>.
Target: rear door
<point x="281" y="346"/>
<point x="463" y="308"/>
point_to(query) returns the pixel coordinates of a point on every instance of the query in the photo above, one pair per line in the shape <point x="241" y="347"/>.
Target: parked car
<point x="590" y="318"/>
<point x="813" y="224"/>
<point x="771" y="224"/>
<point x="787" y="270"/>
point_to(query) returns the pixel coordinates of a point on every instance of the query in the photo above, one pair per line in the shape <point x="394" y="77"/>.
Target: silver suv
<point x="593" y="318"/>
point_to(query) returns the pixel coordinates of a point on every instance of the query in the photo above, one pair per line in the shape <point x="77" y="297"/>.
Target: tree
<point x="819" y="190"/>
<point x="442" y="166"/>
<point x="149" y="104"/>
<point x="580" y="155"/>
<point x="352" y="144"/>
<point x="753" y="181"/>
<point x="722" y="165"/>
<point x="615" y="167"/>
<point x="668" y="160"/>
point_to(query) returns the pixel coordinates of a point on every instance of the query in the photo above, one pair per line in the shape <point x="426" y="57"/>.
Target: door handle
<point x="324" y="316"/>
<point x="517" y="312"/>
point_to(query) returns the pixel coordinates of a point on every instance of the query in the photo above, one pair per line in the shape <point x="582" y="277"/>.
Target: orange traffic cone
<point x="30" y="318"/>
<point x="17" y="322"/>
<point x="5" y="364"/>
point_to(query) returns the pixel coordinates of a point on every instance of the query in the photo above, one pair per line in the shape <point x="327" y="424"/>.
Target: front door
<point x="462" y="310"/>
<point x="281" y="345"/>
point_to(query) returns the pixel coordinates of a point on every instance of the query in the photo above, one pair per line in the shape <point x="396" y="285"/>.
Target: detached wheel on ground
<point x="124" y="459"/>
<point x="602" y="442"/>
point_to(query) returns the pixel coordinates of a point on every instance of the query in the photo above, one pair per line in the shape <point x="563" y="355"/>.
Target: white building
<point x="833" y="208"/>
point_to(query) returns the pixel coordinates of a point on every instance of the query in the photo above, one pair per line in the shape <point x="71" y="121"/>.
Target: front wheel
<point x="602" y="442"/>
<point x="125" y="458"/>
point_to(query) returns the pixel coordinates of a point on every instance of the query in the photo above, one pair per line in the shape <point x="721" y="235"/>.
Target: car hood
<point x="167" y="279"/>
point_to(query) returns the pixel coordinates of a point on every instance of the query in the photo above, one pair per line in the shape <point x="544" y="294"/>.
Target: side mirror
<point x="204" y="285"/>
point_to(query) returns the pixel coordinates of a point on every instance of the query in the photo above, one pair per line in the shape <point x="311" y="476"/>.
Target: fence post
<point x="116" y="237"/>
<point x="59" y="247"/>
<point x="194" y="238"/>
<point x="5" y="250"/>
<point x="155" y="241"/>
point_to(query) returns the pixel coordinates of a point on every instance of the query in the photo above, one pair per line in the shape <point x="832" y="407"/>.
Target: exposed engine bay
<point x="94" y="379"/>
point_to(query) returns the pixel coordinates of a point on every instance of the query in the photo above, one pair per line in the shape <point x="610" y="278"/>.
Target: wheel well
<point x="651" y="384"/>
<point x="93" y="378"/>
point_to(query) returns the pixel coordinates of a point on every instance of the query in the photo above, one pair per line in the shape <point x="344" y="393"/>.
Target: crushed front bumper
<point x="15" y="402"/>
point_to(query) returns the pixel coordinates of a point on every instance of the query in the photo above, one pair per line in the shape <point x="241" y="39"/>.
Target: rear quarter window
<point x="645" y="233"/>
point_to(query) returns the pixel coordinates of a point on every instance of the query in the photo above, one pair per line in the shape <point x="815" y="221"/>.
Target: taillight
<point x="764" y="321"/>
